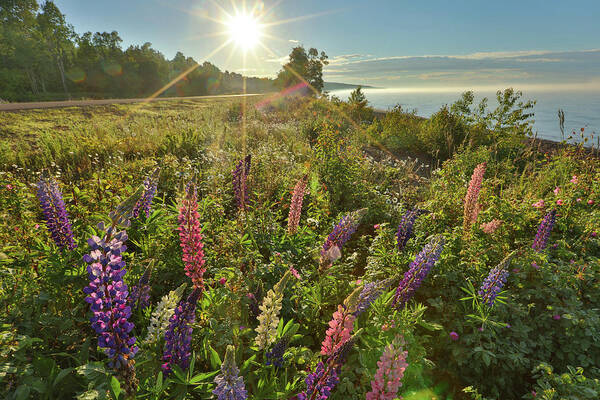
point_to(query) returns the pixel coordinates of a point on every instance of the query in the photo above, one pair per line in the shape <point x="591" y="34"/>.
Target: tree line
<point x="43" y="58"/>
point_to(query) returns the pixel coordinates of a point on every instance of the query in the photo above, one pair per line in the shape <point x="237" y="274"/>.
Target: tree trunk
<point x="32" y="81"/>
<point x="61" y="69"/>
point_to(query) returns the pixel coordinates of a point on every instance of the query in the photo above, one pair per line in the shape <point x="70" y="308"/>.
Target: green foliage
<point x="304" y="68"/>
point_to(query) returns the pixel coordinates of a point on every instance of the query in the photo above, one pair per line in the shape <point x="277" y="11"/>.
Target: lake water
<point x="582" y="109"/>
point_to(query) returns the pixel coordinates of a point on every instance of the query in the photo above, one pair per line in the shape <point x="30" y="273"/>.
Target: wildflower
<point x="269" y="316"/>
<point x="370" y="292"/>
<point x="492" y="285"/>
<point x="405" y="229"/>
<point x="275" y="356"/>
<point x="9" y="187"/>
<point x="539" y="204"/>
<point x="492" y="226"/>
<point x="594" y="234"/>
<point x="230" y="386"/>
<point x="454" y="336"/>
<point x="543" y="234"/>
<point x="339" y="330"/>
<point x="240" y="175"/>
<point x="556" y="317"/>
<point x="159" y="320"/>
<point x="296" y="205"/>
<point x="140" y="294"/>
<point x="36" y="226"/>
<point x="190" y="236"/>
<point x="376" y="226"/>
<point x="294" y="273"/>
<point x="145" y="201"/>
<point x="574" y="180"/>
<point x="591" y="202"/>
<point x="418" y="270"/>
<point x="556" y="190"/>
<point x="55" y="213"/>
<point x="579" y="200"/>
<point x="390" y="371"/>
<point x="178" y="336"/>
<point x="471" y="209"/>
<point x="222" y="281"/>
<point x="341" y="233"/>
<point x="107" y="296"/>
<point x="560" y="202"/>
<point x="320" y="383"/>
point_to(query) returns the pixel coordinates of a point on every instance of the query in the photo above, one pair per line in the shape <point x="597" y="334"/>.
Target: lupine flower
<point x="145" y="201"/>
<point x="556" y="190"/>
<point x="556" y="317"/>
<point x="190" y="236"/>
<point x="340" y="328"/>
<point x="107" y="296"/>
<point x="535" y="265"/>
<point x="296" y="205"/>
<point x="342" y="323"/>
<point x="405" y="229"/>
<point x="240" y="175"/>
<point x="275" y="356"/>
<point x="454" y="336"/>
<point x="370" y="292"/>
<point x="492" y="226"/>
<point x="574" y="180"/>
<point x="341" y="233"/>
<point x="390" y="371"/>
<point x="230" y="386"/>
<point x="418" y="270"/>
<point x="159" y="320"/>
<point x="55" y="213"/>
<point x="178" y="337"/>
<point x="269" y="316"/>
<point x="492" y="285"/>
<point x="140" y="294"/>
<point x="294" y="273"/>
<point x="320" y="383"/>
<point x="338" y="357"/>
<point x="471" y="209"/>
<point x="560" y="202"/>
<point x="543" y="234"/>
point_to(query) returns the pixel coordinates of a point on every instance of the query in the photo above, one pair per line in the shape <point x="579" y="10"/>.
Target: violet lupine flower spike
<point x="107" y="296"/>
<point x="230" y="386"/>
<point x="55" y="213"/>
<point x="390" y="371"/>
<point x="405" y="229"/>
<point x="471" y="210"/>
<point x="190" y="236"/>
<point x="139" y="296"/>
<point x="275" y="356"/>
<point x="371" y="292"/>
<point x="320" y="383"/>
<point x="296" y="205"/>
<point x="418" y="270"/>
<point x="178" y="337"/>
<point x="494" y="282"/>
<point x="341" y="233"/>
<point x="145" y="201"/>
<point x="240" y="177"/>
<point x="543" y="234"/>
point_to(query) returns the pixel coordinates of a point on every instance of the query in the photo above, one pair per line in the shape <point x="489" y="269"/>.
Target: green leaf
<point x="202" y="377"/>
<point x="215" y="360"/>
<point x="61" y="375"/>
<point x="115" y="387"/>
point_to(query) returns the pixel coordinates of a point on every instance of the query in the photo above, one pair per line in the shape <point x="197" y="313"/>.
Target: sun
<point x="244" y="30"/>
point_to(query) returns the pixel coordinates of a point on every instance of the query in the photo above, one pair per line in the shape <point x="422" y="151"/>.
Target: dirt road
<point x="79" y="103"/>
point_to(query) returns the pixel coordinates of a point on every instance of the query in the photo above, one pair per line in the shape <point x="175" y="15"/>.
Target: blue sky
<point x="429" y="44"/>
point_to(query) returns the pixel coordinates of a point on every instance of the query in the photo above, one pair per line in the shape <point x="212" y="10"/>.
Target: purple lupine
<point x="275" y="356"/>
<point x="370" y="292"/>
<point x="418" y="270"/>
<point x="230" y="386"/>
<point x="240" y="187"/>
<point x="107" y="296"/>
<point x="178" y="337"/>
<point x="341" y="233"/>
<point x="405" y="229"/>
<point x="145" y="201"/>
<point x="543" y="234"/>
<point x="320" y="383"/>
<point x="140" y="293"/>
<point x="493" y="283"/>
<point x="55" y="213"/>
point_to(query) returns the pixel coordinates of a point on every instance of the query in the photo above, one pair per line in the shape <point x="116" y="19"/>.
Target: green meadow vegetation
<point x="445" y="258"/>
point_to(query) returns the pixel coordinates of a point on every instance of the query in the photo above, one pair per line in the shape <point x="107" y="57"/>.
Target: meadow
<point x="305" y="249"/>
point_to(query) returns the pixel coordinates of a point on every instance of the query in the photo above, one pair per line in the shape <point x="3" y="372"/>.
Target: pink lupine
<point x="296" y="205"/>
<point x="390" y="371"/>
<point x="190" y="236"/>
<point x="556" y="190"/>
<point x="340" y="329"/>
<point x="471" y="210"/>
<point x="539" y="204"/>
<point x="574" y="180"/>
<point x="492" y="226"/>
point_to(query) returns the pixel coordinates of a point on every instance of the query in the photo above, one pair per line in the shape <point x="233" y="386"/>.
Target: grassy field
<point x="463" y="246"/>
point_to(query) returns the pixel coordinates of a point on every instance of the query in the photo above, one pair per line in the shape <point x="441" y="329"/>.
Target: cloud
<point x="293" y="41"/>
<point x="526" y="67"/>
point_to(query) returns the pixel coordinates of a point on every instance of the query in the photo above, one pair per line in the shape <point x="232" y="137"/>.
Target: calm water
<point x="582" y="109"/>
